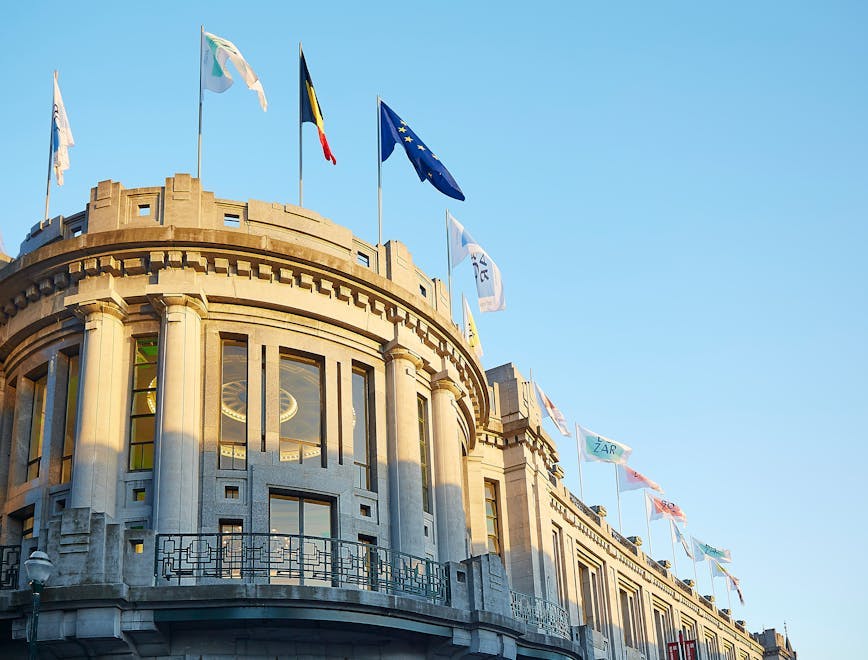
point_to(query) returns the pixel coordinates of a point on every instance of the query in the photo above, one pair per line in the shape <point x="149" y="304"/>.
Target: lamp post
<point x="39" y="569"/>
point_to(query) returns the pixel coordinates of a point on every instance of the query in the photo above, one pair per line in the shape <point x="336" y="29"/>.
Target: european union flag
<point x="394" y="129"/>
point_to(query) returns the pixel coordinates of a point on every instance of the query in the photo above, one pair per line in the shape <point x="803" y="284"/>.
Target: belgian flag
<point x="310" y="110"/>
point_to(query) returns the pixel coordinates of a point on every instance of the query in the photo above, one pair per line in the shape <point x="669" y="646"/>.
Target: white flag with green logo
<point x="216" y="51"/>
<point x="598" y="448"/>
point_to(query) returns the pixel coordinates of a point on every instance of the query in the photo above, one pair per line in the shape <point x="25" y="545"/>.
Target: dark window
<point x="143" y="407"/>
<point x="301" y="410"/>
<point x="364" y="455"/>
<point x="70" y="420"/>
<point x="37" y="428"/>
<point x="422" y="413"/>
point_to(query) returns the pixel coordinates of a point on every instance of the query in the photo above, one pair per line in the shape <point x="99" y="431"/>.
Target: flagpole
<point x="618" y="494"/>
<point x="671" y="538"/>
<point x="711" y="575"/>
<point x="50" y="148"/>
<point x="729" y="594"/>
<point x="379" y="175"/>
<point x="199" y="148"/>
<point x="300" y="161"/>
<point x="647" y="522"/>
<point x="579" y="450"/>
<point x="449" y="266"/>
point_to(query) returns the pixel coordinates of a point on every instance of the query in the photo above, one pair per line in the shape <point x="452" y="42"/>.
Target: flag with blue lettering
<point x="394" y="130"/>
<point x="61" y="136"/>
<point x="596" y="447"/>
<point x="704" y="550"/>
<point x="489" y="286"/>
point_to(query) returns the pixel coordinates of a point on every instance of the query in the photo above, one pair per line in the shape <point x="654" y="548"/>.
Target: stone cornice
<point x="442" y="381"/>
<point x="197" y="302"/>
<point x="62" y="265"/>
<point x="394" y="351"/>
<point x="113" y="306"/>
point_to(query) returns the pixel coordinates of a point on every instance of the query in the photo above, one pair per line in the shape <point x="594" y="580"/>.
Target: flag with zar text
<point x="61" y="136"/>
<point x="665" y="509"/>
<point x="704" y="550"/>
<point x="489" y="286"/>
<point x="552" y="411"/>
<point x="216" y="52"/>
<point x="596" y="447"/>
<point x="630" y="479"/>
<point x="310" y="110"/>
<point x="394" y="130"/>
<point x="471" y="334"/>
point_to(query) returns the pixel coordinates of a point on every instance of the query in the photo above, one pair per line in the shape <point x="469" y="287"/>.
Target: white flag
<point x="470" y="332"/>
<point x="552" y="411"/>
<point x="61" y="136"/>
<point x="216" y="77"/>
<point x="489" y="286"/>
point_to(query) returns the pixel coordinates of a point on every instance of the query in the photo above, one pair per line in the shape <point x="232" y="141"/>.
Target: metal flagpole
<point x="50" y="146"/>
<point x="201" y="55"/>
<point x="300" y="161"/>
<point x="449" y="266"/>
<point x="648" y="523"/>
<point x="711" y="575"/>
<point x="579" y="450"/>
<point x="379" y="175"/>
<point x="671" y="538"/>
<point x="695" y="573"/>
<point x="728" y="593"/>
<point x="618" y="494"/>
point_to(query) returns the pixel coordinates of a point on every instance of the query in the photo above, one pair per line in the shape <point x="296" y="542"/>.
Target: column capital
<point x="443" y="381"/>
<point x="112" y="305"/>
<point x="395" y="351"/>
<point x="197" y="302"/>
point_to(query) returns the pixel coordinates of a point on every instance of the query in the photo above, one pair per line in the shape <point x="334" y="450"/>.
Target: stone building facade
<point x="237" y="430"/>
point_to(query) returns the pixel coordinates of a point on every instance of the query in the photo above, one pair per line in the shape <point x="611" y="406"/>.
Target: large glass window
<point x="424" y="463"/>
<point x="233" y="406"/>
<point x="558" y="563"/>
<point x="37" y="428"/>
<point x="663" y="628"/>
<point x="363" y="430"/>
<point x="590" y="594"/>
<point x="70" y="419"/>
<point x="143" y="408"/>
<point x="631" y="618"/>
<point x="231" y="548"/>
<point x="492" y="517"/>
<point x="301" y="411"/>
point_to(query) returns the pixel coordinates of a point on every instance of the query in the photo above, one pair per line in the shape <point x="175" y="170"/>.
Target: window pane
<point x="317" y="518"/>
<point x="142" y="429"/>
<point x="71" y="419"/>
<point x="233" y="406"/>
<point x="300" y="409"/>
<point x="284" y="515"/>
<point x="145" y="377"/>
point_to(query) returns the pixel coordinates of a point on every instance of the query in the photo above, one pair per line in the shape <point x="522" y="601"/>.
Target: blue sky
<point x="675" y="194"/>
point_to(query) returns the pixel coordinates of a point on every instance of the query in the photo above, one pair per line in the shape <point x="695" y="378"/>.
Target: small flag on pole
<point x="678" y="536"/>
<point x="310" y="110"/>
<point x="394" y="130"/>
<point x="630" y="479"/>
<point x="552" y="411"/>
<point x="665" y="509"/>
<point x="732" y="582"/>
<point x="471" y="334"/>
<point x="599" y="448"/>
<point x="61" y="136"/>
<point x="704" y="550"/>
<point x="216" y="77"/>
<point x="489" y="286"/>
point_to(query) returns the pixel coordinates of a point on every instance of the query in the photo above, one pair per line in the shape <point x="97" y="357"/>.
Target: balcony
<point x="540" y="613"/>
<point x="10" y="565"/>
<point x="301" y="560"/>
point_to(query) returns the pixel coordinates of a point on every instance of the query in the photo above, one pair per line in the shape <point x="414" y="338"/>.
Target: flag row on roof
<point x="593" y="447"/>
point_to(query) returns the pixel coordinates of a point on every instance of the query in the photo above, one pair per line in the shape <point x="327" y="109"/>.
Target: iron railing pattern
<point x="302" y="560"/>
<point x="10" y="565"/>
<point x="540" y="613"/>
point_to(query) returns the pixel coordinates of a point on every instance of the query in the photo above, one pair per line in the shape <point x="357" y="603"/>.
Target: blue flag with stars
<point x="394" y="129"/>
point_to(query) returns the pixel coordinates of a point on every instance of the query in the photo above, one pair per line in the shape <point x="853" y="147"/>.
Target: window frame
<point x="137" y="450"/>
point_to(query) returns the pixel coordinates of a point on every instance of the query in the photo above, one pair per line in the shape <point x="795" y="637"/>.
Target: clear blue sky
<point x="676" y="194"/>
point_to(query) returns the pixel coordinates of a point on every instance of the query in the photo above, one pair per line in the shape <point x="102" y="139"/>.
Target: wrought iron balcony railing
<point x="10" y="565"/>
<point x="540" y="613"/>
<point x="302" y="560"/>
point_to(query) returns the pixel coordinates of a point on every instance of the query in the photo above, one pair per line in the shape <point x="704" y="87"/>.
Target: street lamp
<point x="39" y="569"/>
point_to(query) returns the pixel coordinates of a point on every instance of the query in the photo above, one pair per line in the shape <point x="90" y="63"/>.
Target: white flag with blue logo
<point x="216" y="51"/>
<point x="489" y="286"/>
<point x="61" y="136"/>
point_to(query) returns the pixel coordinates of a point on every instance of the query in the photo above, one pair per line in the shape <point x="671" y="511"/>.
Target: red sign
<point x="690" y="652"/>
<point x="672" y="652"/>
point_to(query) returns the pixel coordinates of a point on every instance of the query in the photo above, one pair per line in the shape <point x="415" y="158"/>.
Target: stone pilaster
<point x="99" y="451"/>
<point x="179" y="416"/>
<point x="448" y="494"/>
<point x="402" y="429"/>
